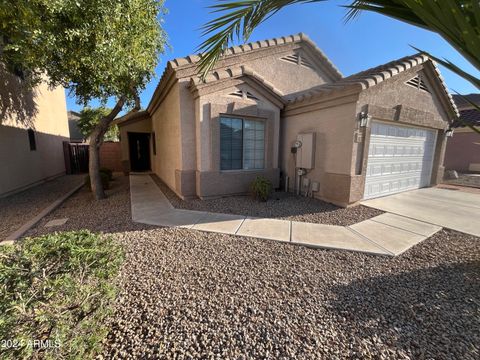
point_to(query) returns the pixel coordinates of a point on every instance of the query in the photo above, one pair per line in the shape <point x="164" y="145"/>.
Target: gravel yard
<point x="17" y="209"/>
<point x="281" y="205"/>
<point x="109" y="215"/>
<point x="188" y="294"/>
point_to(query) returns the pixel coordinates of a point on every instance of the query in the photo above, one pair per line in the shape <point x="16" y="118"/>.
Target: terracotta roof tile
<point x="470" y="116"/>
<point x="371" y="77"/>
<point x="461" y="102"/>
<point x="190" y="60"/>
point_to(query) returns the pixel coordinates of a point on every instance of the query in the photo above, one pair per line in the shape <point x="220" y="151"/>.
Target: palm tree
<point x="457" y="21"/>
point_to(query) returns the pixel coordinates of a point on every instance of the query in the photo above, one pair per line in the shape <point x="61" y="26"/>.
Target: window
<point x="242" y="144"/>
<point x="31" y="140"/>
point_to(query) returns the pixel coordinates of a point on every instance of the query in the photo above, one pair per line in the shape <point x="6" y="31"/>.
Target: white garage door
<point x="399" y="158"/>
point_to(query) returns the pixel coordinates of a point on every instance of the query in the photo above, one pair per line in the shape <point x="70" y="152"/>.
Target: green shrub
<point x="58" y="289"/>
<point x="104" y="178"/>
<point x="261" y="188"/>
<point x="108" y="172"/>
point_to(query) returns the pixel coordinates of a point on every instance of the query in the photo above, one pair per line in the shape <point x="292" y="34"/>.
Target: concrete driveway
<point x="452" y="209"/>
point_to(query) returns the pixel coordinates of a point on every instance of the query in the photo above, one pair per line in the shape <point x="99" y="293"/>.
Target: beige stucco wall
<point x="333" y="124"/>
<point x="182" y="119"/>
<point x="394" y="101"/>
<point x="394" y="91"/>
<point x="341" y="156"/>
<point x="288" y="77"/>
<point x="463" y="149"/>
<point x="43" y="110"/>
<point x="166" y="125"/>
<point x="210" y="179"/>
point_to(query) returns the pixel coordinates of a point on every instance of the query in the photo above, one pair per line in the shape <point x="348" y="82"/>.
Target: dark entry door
<point x="139" y="144"/>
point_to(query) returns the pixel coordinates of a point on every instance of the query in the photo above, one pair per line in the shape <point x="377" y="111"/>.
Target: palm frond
<point x="457" y="21"/>
<point x="237" y="23"/>
<point x="452" y="67"/>
<point x="392" y="8"/>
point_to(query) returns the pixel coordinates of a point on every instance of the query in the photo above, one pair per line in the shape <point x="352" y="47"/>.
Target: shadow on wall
<point x="28" y="158"/>
<point x="17" y="101"/>
<point x="413" y="310"/>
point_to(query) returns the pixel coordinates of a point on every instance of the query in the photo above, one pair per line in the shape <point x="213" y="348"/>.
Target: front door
<point x="139" y="144"/>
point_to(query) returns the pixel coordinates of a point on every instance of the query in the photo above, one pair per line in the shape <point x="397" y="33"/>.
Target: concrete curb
<point x="32" y="222"/>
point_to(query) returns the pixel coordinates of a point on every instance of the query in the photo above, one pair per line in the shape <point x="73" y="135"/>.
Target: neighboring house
<point x="33" y="125"/>
<point x="463" y="148"/>
<point x="75" y="133"/>
<point x="371" y="134"/>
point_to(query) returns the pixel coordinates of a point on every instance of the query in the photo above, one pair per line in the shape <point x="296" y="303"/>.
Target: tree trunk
<point x="96" y="140"/>
<point x="94" y="163"/>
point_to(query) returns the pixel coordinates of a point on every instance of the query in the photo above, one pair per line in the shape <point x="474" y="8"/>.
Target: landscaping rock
<point x="281" y="205"/>
<point x="188" y="294"/>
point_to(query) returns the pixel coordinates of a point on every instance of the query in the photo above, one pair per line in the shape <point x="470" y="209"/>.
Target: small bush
<point x="261" y="188"/>
<point x="57" y="289"/>
<point x="108" y="172"/>
<point x="104" y="178"/>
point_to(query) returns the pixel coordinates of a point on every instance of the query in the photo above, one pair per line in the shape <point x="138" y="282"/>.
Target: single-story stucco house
<point x="279" y="108"/>
<point x="463" y="148"/>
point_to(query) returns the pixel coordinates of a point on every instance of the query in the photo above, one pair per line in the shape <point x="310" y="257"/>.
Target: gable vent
<point x="291" y="58"/>
<point x="238" y="93"/>
<point x="297" y="59"/>
<point x="418" y="83"/>
<point x="241" y="94"/>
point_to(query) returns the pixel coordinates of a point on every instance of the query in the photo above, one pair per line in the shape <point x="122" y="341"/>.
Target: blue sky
<point x="367" y="41"/>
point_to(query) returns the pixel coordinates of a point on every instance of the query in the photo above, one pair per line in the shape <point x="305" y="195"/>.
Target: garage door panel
<point x="400" y="158"/>
<point x="391" y="166"/>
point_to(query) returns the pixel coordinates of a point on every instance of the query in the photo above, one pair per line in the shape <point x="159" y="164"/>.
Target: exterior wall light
<point x="364" y="119"/>
<point x="449" y="132"/>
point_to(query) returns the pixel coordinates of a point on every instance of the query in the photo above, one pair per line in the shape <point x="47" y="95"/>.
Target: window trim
<point x="243" y="118"/>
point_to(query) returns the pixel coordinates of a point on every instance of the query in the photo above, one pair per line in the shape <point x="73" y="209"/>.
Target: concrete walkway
<point x="387" y="234"/>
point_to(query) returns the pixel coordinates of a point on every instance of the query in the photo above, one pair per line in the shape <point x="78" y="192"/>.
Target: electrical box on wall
<point x="305" y="157"/>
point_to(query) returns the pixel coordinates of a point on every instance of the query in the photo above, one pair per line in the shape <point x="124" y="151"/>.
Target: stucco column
<point x="437" y="176"/>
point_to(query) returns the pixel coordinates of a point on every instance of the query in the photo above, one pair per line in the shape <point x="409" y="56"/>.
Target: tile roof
<point x="191" y="60"/>
<point x="461" y="102"/>
<point x="370" y="77"/>
<point x="470" y="116"/>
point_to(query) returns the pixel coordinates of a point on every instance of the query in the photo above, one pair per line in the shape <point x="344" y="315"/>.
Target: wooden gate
<point x="76" y="157"/>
